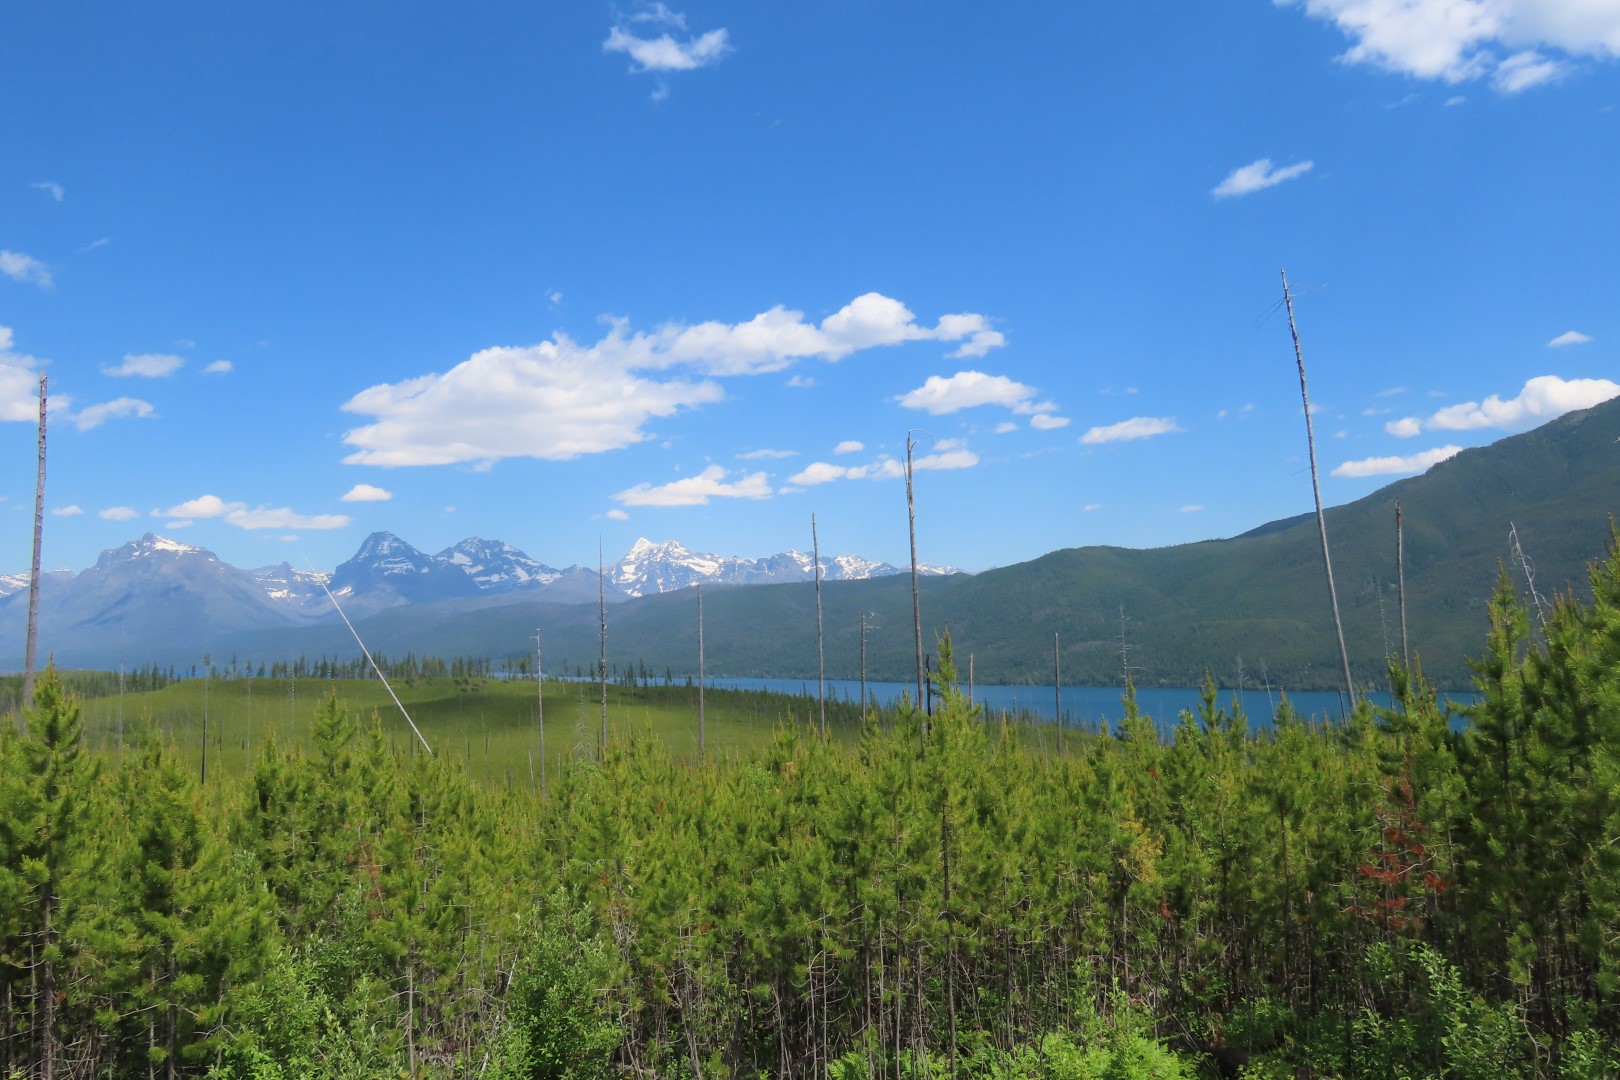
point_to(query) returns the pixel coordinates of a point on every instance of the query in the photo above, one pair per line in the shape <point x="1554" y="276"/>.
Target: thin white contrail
<point x="373" y="663"/>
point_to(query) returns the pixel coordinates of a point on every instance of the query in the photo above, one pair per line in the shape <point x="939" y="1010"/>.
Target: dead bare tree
<point x="821" y="651"/>
<point x="1057" y="687"/>
<point x="701" y="747"/>
<point x="601" y="625"/>
<point x="1400" y="582"/>
<point x="916" y="603"/>
<point x="31" y="652"/>
<point x="1528" y="569"/>
<point x="540" y="710"/>
<point x="1316" y="489"/>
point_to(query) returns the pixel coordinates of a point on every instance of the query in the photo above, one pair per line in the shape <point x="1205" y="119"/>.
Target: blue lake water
<point x="1083" y="706"/>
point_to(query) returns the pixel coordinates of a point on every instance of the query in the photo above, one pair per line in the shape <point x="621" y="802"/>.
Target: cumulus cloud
<point x="941" y="395"/>
<point x="671" y="51"/>
<point x="242" y="516"/>
<point x="1457" y="41"/>
<point x="1006" y="427"/>
<point x="145" y="366"/>
<point x="849" y="446"/>
<point x="1568" y="337"/>
<point x="1543" y="398"/>
<point x="219" y="367"/>
<point x="697" y="490"/>
<point x="767" y="455"/>
<point x="1139" y="427"/>
<point x="51" y="188"/>
<point x="1397" y="465"/>
<point x="25" y="268"/>
<point x="93" y="416"/>
<point x="1257" y="176"/>
<point x="819" y="472"/>
<point x="561" y="399"/>
<point x="949" y="454"/>
<point x="19" y="383"/>
<point x="118" y="513"/>
<point x="68" y="511"/>
<point x="366" y="493"/>
<point x="616" y="515"/>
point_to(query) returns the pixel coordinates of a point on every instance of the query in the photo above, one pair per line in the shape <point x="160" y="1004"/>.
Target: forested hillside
<point x="1396" y="896"/>
<point x="1252" y="608"/>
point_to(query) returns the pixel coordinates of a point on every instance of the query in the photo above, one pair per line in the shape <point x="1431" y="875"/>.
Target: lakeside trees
<point x="1396" y="894"/>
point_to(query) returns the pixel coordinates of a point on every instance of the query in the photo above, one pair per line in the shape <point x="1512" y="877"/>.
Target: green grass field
<point x="488" y="723"/>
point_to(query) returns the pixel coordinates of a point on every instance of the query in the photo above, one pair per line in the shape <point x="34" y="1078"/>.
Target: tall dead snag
<point x="33" y="576"/>
<point x="540" y="710"/>
<point x="916" y="603"/>
<point x="1316" y="490"/>
<point x="701" y="747"/>
<point x="601" y="626"/>
<point x="821" y="651"/>
<point x="1057" y="688"/>
<point x="1400" y="583"/>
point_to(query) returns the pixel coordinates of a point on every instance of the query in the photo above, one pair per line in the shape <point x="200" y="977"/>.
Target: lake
<point x="1083" y="706"/>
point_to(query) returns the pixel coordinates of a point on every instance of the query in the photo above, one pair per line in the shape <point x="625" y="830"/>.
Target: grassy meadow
<point x="487" y="723"/>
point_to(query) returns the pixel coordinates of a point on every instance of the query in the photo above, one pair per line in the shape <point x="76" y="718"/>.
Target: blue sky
<point x="553" y="272"/>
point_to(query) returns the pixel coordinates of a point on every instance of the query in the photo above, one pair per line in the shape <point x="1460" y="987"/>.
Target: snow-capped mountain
<point x="183" y="600"/>
<point x="496" y="565"/>
<point x="656" y="568"/>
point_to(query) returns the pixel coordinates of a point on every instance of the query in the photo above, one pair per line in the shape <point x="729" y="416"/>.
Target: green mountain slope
<point x="1256" y="601"/>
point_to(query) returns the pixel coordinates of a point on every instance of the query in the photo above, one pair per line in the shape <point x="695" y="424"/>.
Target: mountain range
<point x="157" y="599"/>
<point x="1251" y="609"/>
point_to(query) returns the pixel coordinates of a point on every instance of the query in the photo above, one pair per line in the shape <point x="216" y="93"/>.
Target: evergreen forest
<point x="1408" y="893"/>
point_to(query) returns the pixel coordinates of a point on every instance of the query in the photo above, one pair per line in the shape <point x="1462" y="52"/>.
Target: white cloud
<point x="1192" y="508"/>
<point x="849" y="446"/>
<point x="1393" y="391"/>
<point x="801" y="382"/>
<point x="666" y="52"/>
<point x="51" y="188"/>
<point x="19" y="383"/>
<point x="366" y="493"/>
<point x="219" y="367"/>
<point x="1091" y="508"/>
<point x="892" y="468"/>
<point x="1257" y="176"/>
<point x="1140" y="427"/>
<point x="145" y="365"/>
<point x="1048" y="422"/>
<point x="767" y="455"/>
<point x="697" y="490"/>
<point x="1404" y="428"/>
<point x="819" y="472"/>
<point x="1396" y="466"/>
<point x="1005" y="427"/>
<point x="264" y="517"/>
<point x="1457" y="41"/>
<point x="118" y="513"/>
<point x="1455" y="100"/>
<point x="948" y="454"/>
<point x="560" y="399"/>
<point x="616" y="515"/>
<point x="1523" y="70"/>
<point x="183" y="523"/>
<point x="239" y="515"/>
<point x="1543" y="398"/>
<point x="555" y="296"/>
<point x="939" y="395"/>
<point x="204" y="506"/>
<point x="20" y="267"/>
<point x="93" y="416"/>
<point x="1568" y="337"/>
<point x="68" y="511"/>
